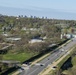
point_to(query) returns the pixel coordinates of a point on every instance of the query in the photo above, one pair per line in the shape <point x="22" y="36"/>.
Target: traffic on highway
<point x="38" y="67"/>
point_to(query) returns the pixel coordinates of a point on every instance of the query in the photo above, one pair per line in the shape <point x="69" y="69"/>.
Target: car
<point x="28" y="63"/>
<point x="22" y="68"/>
<point x="41" y="64"/>
<point x="62" y="50"/>
<point x="54" y="66"/>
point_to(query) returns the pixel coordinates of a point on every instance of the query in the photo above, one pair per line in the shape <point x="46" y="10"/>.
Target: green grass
<point x="18" y="57"/>
<point x="61" y="63"/>
<point x="74" y="61"/>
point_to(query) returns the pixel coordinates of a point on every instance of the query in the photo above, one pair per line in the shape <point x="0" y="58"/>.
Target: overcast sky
<point x="38" y="5"/>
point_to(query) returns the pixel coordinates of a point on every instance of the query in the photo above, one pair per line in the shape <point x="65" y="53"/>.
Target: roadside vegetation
<point x="72" y="70"/>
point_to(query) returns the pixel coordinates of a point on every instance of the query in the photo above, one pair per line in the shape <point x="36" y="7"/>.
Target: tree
<point x="72" y="71"/>
<point x="52" y="32"/>
<point x="1" y="57"/>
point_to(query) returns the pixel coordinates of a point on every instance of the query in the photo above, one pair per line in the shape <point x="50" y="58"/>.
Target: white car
<point x="62" y="50"/>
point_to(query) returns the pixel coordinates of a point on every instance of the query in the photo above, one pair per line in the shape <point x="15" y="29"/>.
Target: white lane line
<point x="33" y="71"/>
<point x="51" y="58"/>
<point x="46" y="61"/>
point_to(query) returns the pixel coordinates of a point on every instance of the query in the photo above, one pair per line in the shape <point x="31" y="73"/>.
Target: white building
<point x="68" y="36"/>
<point x="74" y="35"/>
<point x="61" y="37"/>
<point x="13" y="39"/>
<point x="35" y="40"/>
<point x="24" y="28"/>
<point x="4" y="34"/>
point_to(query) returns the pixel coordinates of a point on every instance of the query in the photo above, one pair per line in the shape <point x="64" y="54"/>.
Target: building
<point x="35" y="40"/>
<point x="13" y="39"/>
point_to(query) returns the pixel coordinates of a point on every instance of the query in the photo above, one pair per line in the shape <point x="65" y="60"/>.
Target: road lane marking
<point x="46" y="61"/>
<point x="51" y="58"/>
<point x="33" y="71"/>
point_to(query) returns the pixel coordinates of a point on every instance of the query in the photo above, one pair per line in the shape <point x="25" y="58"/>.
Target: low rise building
<point x="35" y="40"/>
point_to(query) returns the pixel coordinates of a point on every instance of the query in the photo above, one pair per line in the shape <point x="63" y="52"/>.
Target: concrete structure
<point x="74" y="35"/>
<point x="30" y="29"/>
<point x="36" y="40"/>
<point x="24" y="28"/>
<point x="61" y="37"/>
<point x="13" y="39"/>
<point x="69" y="36"/>
<point x="44" y="37"/>
<point x="4" y="34"/>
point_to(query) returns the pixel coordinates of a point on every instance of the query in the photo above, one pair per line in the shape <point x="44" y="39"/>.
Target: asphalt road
<point x="38" y="67"/>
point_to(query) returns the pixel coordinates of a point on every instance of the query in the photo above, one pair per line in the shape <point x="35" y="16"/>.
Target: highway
<point x="38" y="67"/>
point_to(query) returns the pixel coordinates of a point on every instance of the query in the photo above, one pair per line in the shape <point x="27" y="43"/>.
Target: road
<point x="38" y="67"/>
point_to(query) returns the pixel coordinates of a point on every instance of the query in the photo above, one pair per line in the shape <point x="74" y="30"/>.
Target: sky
<point x="35" y="7"/>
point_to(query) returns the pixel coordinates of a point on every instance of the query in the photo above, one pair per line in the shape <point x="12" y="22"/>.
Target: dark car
<point x="48" y="59"/>
<point x="54" y="66"/>
<point x="41" y="64"/>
